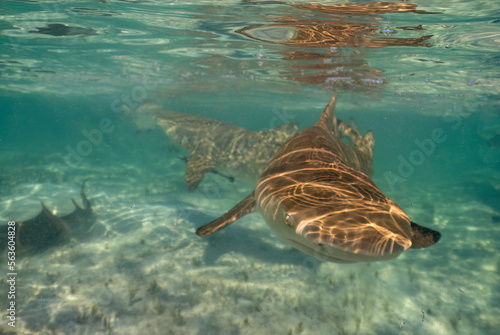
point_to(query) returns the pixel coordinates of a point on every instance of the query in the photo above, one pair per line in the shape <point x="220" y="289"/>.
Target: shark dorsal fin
<point x="245" y="207"/>
<point x="328" y="119"/>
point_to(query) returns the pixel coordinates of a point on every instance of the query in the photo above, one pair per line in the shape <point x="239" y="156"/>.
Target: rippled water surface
<point x="74" y="78"/>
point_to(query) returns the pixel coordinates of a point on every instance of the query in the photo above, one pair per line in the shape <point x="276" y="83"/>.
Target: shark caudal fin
<point x="328" y="119"/>
<point x="422" y="237"/>
<point x="363" y="144"/>
<point x="80" y="212"/>
<point x="243" y="208"/>
<point x="351" y="132"/>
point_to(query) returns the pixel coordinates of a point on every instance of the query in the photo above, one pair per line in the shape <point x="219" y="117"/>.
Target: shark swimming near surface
<point x="316" y="195"/>
<point x="215" y="146"/>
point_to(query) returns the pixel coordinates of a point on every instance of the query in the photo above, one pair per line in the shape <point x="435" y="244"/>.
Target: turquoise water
<point x="68" y="67"/>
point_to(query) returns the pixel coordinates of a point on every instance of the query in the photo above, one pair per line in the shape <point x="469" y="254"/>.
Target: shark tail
<point x="243" y="208"/>
<point x="363" y="144"/>
<point x="85" y="200"/>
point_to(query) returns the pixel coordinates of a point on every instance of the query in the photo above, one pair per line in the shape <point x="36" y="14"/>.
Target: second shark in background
<point x="215" y="146"/>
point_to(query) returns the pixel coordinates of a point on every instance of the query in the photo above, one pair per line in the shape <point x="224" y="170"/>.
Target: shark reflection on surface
<point x="325" y="33"/>
<point x="337" y="30"/>
<point x="331" y="29"/>
<point x="364" y="8"/>
<point x="59" y="29"/>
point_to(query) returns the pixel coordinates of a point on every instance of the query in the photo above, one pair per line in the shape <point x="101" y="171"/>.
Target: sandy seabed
<point x="143" y="270"/>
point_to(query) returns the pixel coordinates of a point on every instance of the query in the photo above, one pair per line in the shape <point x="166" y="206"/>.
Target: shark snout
<point x="350" y="235"/>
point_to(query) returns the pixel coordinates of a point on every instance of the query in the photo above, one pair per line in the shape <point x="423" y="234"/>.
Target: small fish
<point x="316" y="195"/>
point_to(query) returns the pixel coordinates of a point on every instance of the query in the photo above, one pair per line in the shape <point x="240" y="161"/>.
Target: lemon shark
<point x="215" y="146"/>
<point x="316" y="195"/>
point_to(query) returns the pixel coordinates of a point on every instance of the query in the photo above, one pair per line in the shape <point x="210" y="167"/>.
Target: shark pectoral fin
<point x="243" y="208"/>
<point x="230" y="178"/>
<point x="422" y="237"/>
<point x="197" y="166"/>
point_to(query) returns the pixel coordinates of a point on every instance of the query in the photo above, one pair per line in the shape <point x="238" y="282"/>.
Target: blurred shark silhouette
<point x="215" y="146"/>
<point x="46" y="230"/>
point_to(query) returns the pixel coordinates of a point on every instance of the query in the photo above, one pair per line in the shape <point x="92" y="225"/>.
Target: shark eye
<point x="288" y="220"/>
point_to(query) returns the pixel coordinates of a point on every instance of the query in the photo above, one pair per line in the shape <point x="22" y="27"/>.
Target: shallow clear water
<point x="68" y="67"/>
